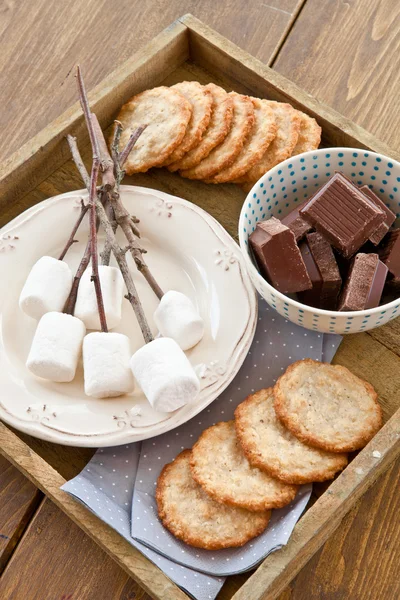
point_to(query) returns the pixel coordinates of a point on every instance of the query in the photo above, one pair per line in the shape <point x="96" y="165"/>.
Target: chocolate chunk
<point x="323" y="271"/>
<point x="390" y="217"/>
<point x="389" y="252"/>
<point x="364" y="286"/>
<point x="296" y="223"/>
<point x="278" y="257"/>
<point x="391" y="291"/>
<point x="343" y="214"/>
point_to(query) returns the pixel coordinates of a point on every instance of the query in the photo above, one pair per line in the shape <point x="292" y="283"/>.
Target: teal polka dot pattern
<point x="296" y="179"/>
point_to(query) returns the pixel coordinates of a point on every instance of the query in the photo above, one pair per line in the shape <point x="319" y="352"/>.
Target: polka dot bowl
<point x="287" y="185"/>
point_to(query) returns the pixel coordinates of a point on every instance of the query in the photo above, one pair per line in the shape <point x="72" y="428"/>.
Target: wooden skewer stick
<point x="118" y="252"/>
<point x="122" y="216"/>
<point x="92" y="200"/>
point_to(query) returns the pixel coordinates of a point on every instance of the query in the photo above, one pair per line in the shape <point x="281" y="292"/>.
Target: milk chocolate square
<point x="364" y="286"/>
<point x="377" y="236"/>
<point x="278" y="257"/>
<point x="323" y="271"/>
<point x="343" y="214"/>
<point x="389" y="252"/>
<point x="296" y="223"/>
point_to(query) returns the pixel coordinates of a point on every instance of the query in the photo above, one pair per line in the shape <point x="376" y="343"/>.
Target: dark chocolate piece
<point x="377" y="236"/>
<point x="296" y="223"/>
<point x="323" y="271"/>
<point x="389" y="252"/>
<point x="278" y="256"/>
<point x="393" y="285"/>
<point x="364" y="286"/>
<point x="343" y="214"/>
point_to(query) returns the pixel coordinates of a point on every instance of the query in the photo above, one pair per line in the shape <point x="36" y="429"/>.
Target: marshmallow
<point x="112" y="289"/>
<point x="106" y="365"/>
<point x="56" y="347"/>
<point x="176" y="317"/>
<point x="165" y="375"/>
<point x="46" y="288"/>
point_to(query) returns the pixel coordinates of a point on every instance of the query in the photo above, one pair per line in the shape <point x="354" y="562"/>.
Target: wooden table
<point x="344" y="53"/>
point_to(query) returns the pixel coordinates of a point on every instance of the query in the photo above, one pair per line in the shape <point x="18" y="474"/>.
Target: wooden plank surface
<point x="19" y="499"/>
<point x="45" y="569"/>
<point x="328" y="570"/>
<point x="347" y="55"/>
<point x="361" y="561"/>
<point x="42" y="41"/>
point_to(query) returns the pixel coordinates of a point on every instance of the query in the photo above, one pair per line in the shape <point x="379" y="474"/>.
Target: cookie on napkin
<point x="326" y="406"/>
<point x="195" y="518"/>
<point x="219" y="465"/>
<point x="271" y="447"/>
<point x="166" y="113"/>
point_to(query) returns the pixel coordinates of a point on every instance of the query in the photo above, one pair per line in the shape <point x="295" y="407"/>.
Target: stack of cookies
<point x="205" y="133"/>
<point x="220" y="493"/>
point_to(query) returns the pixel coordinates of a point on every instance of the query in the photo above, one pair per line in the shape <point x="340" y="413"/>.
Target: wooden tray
<point x="42" y="168"/>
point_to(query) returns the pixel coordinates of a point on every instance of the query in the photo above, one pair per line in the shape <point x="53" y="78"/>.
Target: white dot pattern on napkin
<point x="106" y="485"/>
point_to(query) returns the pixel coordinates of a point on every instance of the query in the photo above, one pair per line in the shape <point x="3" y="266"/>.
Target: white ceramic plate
<point x="187" y="251"/>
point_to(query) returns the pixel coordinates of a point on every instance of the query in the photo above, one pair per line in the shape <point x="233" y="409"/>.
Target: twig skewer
<point x="120" y="257"/>
<point x="123" y="217"/>
<point x="92" y="200"/>
<point x="71" y="240"/>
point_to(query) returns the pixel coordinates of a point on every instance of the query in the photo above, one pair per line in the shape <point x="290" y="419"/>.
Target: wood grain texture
<point x="19" y="499"/>
<point x="45" y="568"/>
<point x="42" y="475"/>
<point x="361" y="560"/>
<point x="364" y="354"/>
<point x="347" y="54"/>
<point x="41" y="43"/>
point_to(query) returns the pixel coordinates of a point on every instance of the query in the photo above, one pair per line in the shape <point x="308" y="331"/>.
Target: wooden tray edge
<point x="47" y="479"/>
<point x="228" y="53"/>
<point x="322" y="519"/>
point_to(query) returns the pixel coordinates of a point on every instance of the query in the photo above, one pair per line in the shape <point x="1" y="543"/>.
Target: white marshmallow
<point x="46" y="288"/>
<point x="112" y="289"/>
<point x="56" y="347"/>
<point x="106" y="365"/>
<point x="165" y="375"/>
<point x="176" y="317"/>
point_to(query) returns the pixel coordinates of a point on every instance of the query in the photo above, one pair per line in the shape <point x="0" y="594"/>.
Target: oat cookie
<point x="327" y="406"/>
<point x="255" y="146"/>
<point x="201" y="100"/>
<point x="288" y="127"/>
<point x="271" y="447"/>
<point x="220" y="466"/>
<point x="224" y="155"/>
<point x="217" y="130"/>
<point x="166" y="113"/>
<point x="309" y="135"/>
<point x="195" y="518"/>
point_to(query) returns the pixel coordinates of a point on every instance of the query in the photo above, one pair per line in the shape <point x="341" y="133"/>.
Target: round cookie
<point x="166" y="113"/>
<point x="201" y="100"/>
<point x="195" y="518"/>
<point x="309" y="135"/>
<point x="220" y="466"/>
<point x="216" y="132"/>
<point x="288" y="127"/>
<point x="326" y="406"/>
<point x="271" y="447"/>
<point x="225" y="154"/>
<point x="255" y="146"/>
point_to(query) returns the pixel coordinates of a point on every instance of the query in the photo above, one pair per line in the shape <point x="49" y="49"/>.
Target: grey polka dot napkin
<point x="119" y="483"/>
